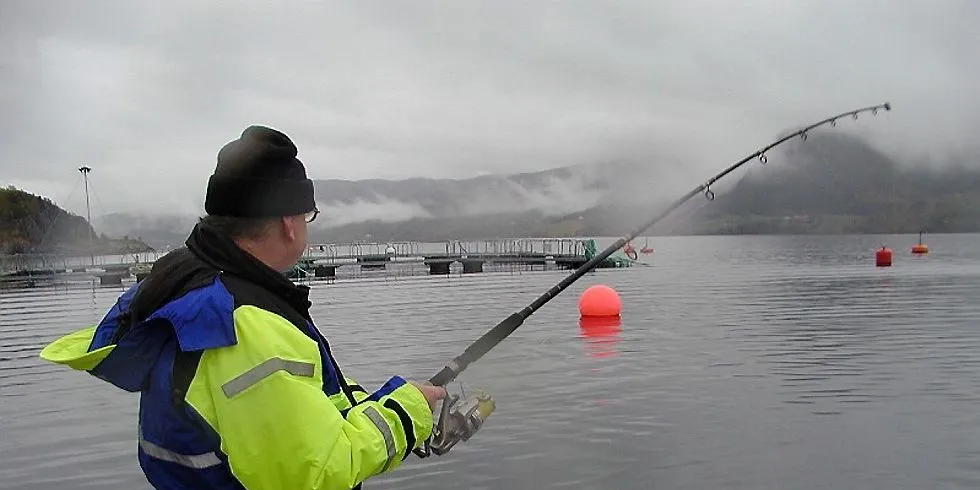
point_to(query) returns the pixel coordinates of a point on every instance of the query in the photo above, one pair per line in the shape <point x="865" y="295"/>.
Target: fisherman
<point x="238" y="388"/>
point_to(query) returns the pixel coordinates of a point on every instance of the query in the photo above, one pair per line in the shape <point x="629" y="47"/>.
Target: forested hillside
<point x="34" y="224"/>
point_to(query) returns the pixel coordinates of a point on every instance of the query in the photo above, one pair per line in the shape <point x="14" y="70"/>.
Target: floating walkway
<point x="322" y="261"/>
<point x="34" y="270"/>
<point x="468" y="257"/>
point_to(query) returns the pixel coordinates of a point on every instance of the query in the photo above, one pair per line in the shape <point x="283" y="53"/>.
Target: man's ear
<point x="288" y="228"/>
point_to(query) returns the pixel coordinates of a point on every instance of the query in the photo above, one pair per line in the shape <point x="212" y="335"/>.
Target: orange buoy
<point x="883" y="257"/>
<point x="599" y="300"/>
<point x="920" y="248"/>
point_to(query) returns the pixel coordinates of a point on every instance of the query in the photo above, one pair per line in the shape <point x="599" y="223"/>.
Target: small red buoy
<point x="599" y="300"/>
<point x="920" y="248"/>
<point x="646" y="248"/>
<point x="883" y="257"/>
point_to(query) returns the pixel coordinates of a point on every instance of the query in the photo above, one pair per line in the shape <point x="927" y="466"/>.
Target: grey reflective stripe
<point x="196" y="461"/>
<point x="264" y="370"/>
<point x="385" y="431"/>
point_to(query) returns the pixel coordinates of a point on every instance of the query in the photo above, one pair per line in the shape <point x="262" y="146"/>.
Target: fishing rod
<point x="461" y="423"/>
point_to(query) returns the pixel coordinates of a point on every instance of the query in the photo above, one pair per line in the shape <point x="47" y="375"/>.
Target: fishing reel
<point x="458" y="421"/>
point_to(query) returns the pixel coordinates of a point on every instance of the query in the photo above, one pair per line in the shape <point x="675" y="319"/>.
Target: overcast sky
<point x="146" y="92"/>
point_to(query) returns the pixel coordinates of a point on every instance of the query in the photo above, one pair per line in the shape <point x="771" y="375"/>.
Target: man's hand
<point x="431" y="392"/>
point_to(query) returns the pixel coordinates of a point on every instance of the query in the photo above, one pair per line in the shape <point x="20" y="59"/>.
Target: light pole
<point x="88" y="215"/>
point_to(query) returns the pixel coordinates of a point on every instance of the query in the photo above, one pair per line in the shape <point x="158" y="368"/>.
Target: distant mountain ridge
<point x="551" y="192"/>
<point x="835" y="183"/>
<point x="424" y="208"/>
<point x="831" y="183"/>
<point x="158" y="231"/>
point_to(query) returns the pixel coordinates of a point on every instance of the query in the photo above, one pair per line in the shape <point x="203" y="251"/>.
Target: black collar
<point x="222" y="253"/>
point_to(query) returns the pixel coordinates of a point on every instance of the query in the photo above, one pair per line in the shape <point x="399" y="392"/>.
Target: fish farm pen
<point x="329" y="262"/>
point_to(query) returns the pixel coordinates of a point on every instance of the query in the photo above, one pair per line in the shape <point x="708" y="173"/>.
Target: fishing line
<point x="502" y="330"/>
<point x="459" y="422"/>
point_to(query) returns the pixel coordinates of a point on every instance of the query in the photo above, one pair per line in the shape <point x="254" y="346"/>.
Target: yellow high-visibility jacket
<point x="238" y="388"/>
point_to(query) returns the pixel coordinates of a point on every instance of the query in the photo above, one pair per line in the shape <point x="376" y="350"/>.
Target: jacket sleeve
<point x="264" y="399"/>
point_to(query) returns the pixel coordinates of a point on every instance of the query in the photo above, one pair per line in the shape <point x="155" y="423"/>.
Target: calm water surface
<point x="740" y="362"/>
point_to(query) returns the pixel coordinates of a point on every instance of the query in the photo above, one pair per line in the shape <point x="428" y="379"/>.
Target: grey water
<point x="787" y="362"/>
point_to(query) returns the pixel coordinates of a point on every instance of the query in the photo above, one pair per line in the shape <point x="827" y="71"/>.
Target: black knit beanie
<point x="259" y="176"/>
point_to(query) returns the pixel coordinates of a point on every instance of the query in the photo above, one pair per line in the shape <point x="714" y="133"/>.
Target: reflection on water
<point x="738" y="362"/>
<point x="601" y="334"/>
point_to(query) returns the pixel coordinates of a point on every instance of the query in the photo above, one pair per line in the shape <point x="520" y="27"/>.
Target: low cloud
<point x="379" y="208"/>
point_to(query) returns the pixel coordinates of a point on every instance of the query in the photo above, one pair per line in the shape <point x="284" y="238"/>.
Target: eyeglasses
<point x="310" y="216"/>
